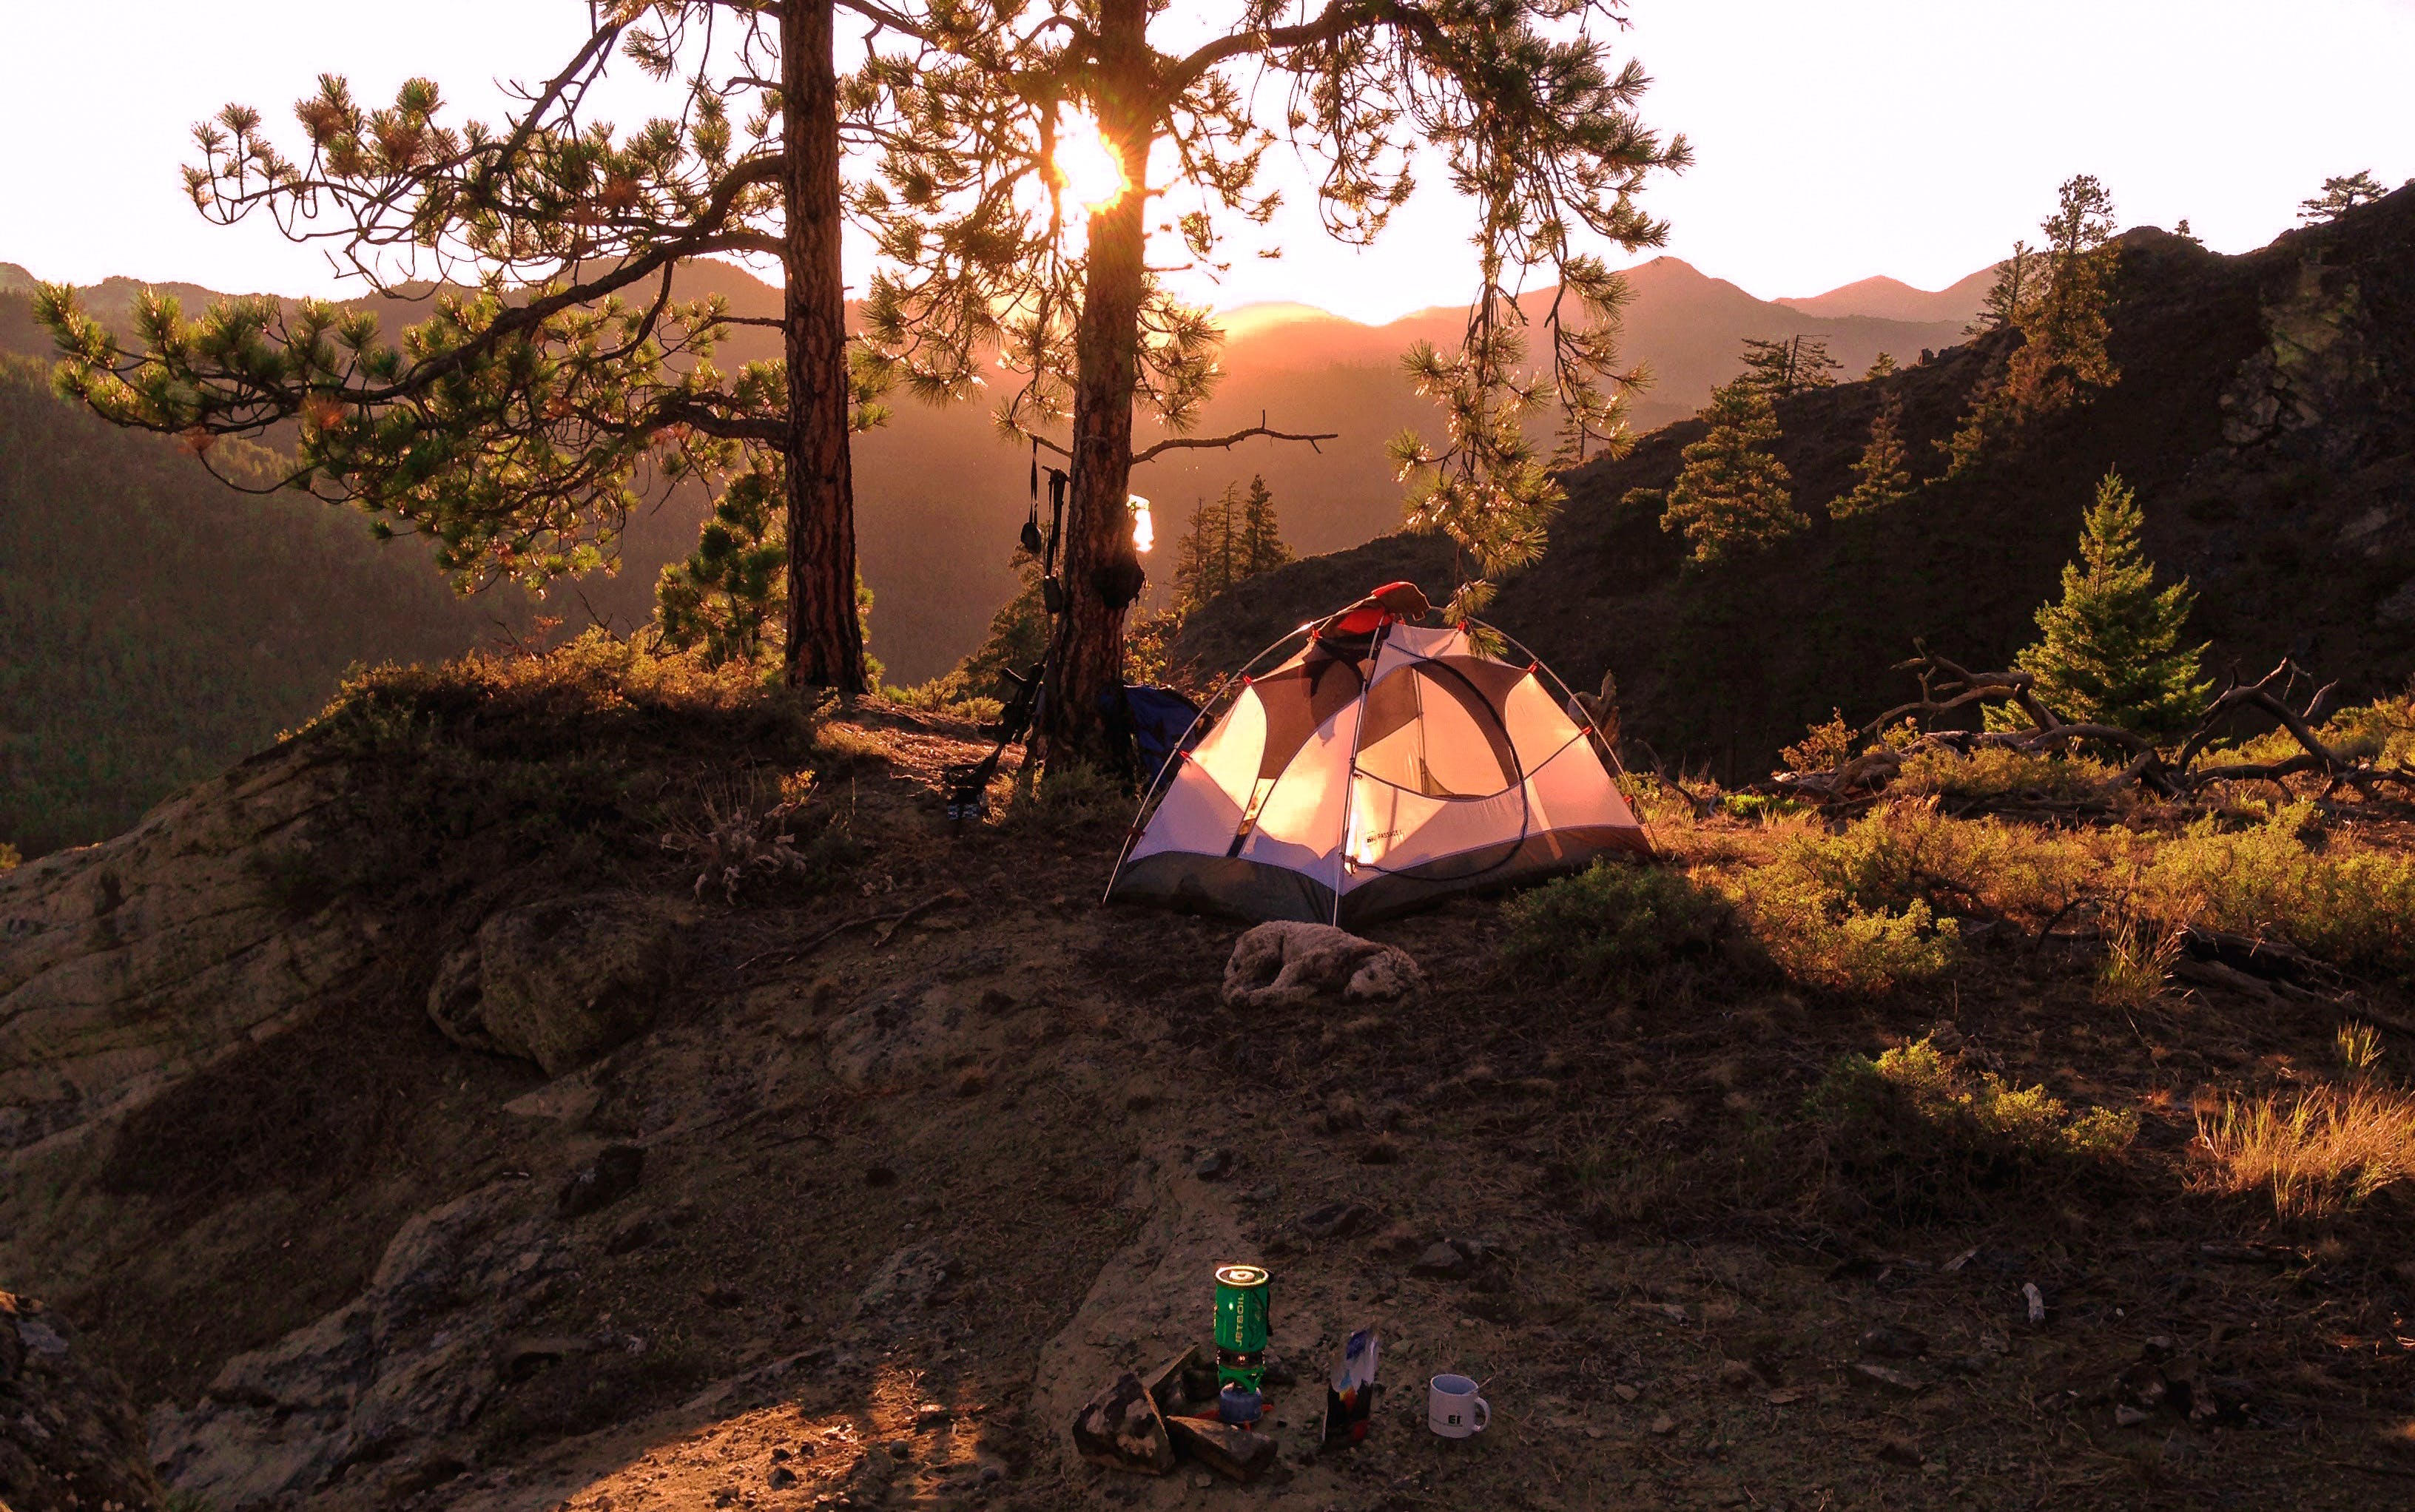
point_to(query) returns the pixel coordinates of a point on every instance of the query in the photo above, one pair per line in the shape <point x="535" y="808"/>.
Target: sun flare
<point x="1086" y="167"/>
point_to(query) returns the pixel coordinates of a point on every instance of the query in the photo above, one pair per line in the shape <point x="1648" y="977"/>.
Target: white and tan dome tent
<point x="1381" y="768"/>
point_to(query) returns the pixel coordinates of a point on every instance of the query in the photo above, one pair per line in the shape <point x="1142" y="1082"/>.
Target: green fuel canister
<point x="1241" y="1322"/>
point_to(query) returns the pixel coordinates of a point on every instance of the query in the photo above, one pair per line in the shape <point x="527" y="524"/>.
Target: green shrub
<point x="1066" y="797"/>
<point x="1993" y="775"/>
<point x="1915" y="1132"/>
<point x="1615" y="926"/>
<point x="1759" y="806"/>
<point x="2381" y="732"/>
<point x="2342" y="899"/>
<point x="1822" y="939"/>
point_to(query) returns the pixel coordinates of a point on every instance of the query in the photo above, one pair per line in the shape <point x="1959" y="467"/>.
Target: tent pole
<point x="1165" y="773"/>
<point x="1350" y="775"/>
<point x="1568" y="697"/>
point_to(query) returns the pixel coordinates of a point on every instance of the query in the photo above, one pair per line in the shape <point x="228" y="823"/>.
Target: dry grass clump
<point x="458" y="774"/>
<point x="1915" y="1132"/>
<point x="2140" y="953"/>
<point x="2321" y="1151"/>
<point x="594" y="690"/>
<point x="8" y="856"/>
<point x="758" y="829"/>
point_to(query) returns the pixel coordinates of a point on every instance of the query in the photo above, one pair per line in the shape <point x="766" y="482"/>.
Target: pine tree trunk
<point x="1089" y="661"/>
<point x="825" y="637"/>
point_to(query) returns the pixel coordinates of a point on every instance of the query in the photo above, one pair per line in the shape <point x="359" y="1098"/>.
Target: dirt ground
<point x="909" y="1197"/>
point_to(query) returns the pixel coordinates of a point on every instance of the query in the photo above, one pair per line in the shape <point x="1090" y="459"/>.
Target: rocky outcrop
<point x="558" y="982"/>
<point x="127" y="965"/>
<point x="2316" y="373"/>
<point x="69" y="1435"/>
<point x="1284" y="964"/>
<point x="411" y="1359"/>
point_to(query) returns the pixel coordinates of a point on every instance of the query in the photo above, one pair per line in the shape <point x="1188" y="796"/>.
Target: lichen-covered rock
<point x="126" y="965"/>
<point x="558" y="982"/>
<point x="68" y="1434"/>
<point x="1285" y="964"/>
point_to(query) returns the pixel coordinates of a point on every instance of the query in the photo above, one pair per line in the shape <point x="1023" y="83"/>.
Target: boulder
<point x="69" y="1436"/>
<point x="1286" y="965"/>
<point x="1121" y="1427"/>
<point x="558" y="982"/>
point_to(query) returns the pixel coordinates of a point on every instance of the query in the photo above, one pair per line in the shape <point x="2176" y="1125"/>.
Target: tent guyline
<point x="1380" y="767"/>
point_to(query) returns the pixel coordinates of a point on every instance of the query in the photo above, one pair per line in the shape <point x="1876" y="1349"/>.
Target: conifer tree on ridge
<point x="1733" y="495"/>
<point x="2109" y="650"/>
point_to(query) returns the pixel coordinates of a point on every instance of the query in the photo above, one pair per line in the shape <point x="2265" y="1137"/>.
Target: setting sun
<point x="1086" y="167"/>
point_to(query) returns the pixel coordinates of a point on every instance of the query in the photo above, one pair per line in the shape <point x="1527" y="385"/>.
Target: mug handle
<point x="1483" y="1414"/>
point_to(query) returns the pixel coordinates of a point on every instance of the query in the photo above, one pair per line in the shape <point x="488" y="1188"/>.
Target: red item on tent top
<point x="1393" y="601"/>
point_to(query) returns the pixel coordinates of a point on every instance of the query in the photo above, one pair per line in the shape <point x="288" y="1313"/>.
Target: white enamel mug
<point x="1454" y="1410"/>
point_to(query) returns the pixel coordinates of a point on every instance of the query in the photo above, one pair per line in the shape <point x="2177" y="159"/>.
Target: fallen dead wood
<point x="1947" y="687"/>
<point x="893" y="923"/>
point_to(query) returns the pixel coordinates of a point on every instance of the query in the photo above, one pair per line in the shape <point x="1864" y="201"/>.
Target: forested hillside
<point x="939" y="494"/>
<point x="156" y="625"/>
<point x="2264" y="411"/>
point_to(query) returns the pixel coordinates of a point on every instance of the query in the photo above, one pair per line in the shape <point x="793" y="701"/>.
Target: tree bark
<point x="1088" y="660"/>
<point x="825" y="646"/>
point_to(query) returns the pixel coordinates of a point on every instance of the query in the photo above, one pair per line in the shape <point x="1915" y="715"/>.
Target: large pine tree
<point x="1733" y="495"/>
<point x="1788" y="366"/>
<point x="2110" y="650"/>
<point x="2059" y="310"/>
<point x="556" y="375"/>
<point x="997" y="247"/>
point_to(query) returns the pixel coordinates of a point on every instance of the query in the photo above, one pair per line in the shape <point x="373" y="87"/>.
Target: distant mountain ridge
<point x="1892" y="299"/>
<point x="939" y="494"/>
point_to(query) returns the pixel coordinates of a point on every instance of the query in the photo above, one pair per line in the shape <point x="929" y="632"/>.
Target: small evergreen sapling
<point x="2110" y="650"/>
<point x="1733" y="495"/>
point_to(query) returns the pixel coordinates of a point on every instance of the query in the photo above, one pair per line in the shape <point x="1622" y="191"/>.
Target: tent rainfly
<point x="1382" y="768"/>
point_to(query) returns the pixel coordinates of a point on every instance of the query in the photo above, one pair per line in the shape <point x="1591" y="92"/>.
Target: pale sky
<point x="1834" y="140"/>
